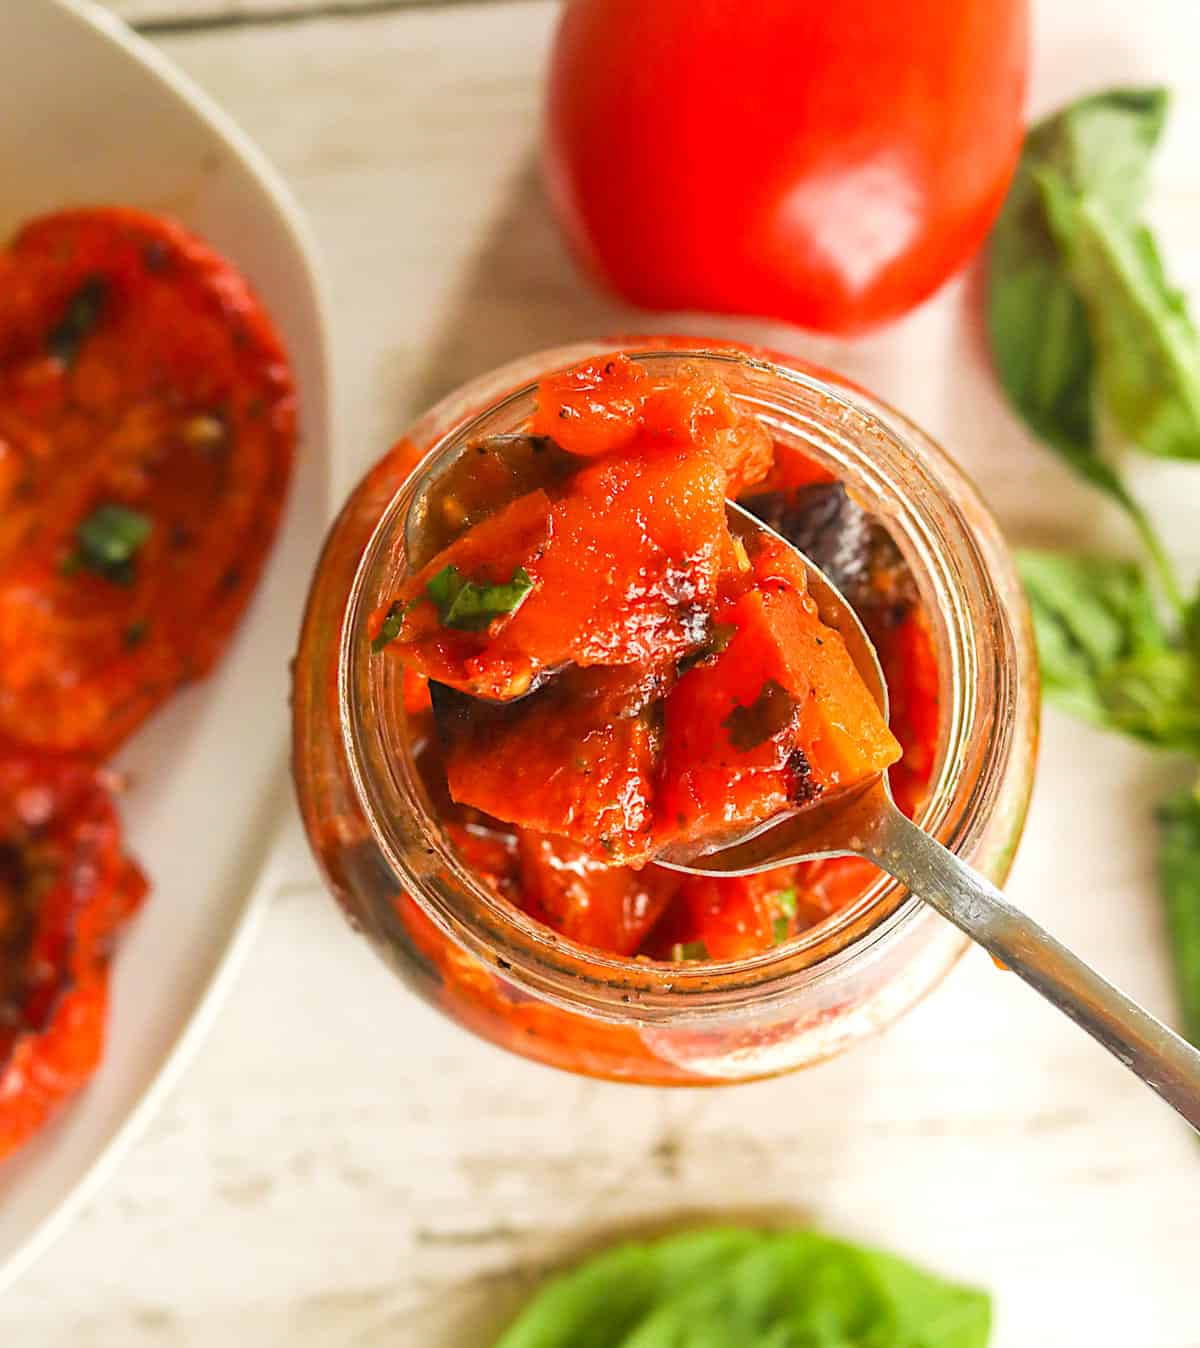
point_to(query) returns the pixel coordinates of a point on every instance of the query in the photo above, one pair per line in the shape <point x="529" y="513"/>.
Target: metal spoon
<point x="860" y="822"/>
<point x="866" y="822"/>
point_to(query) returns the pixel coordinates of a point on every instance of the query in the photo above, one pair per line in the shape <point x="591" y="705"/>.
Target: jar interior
<point x="854" y="439"/>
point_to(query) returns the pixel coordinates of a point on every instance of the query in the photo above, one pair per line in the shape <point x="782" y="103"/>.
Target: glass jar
<point x="397" y="876"/>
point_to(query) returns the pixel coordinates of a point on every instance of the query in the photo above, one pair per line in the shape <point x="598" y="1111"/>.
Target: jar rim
<point x="935" y="516"/>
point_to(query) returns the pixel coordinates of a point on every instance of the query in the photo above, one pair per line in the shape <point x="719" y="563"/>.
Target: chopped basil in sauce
<point x="84" y="311"/>
<point x="107" y="542"/>
<point x="393" y="621"/>
<point x="469" y="606"/>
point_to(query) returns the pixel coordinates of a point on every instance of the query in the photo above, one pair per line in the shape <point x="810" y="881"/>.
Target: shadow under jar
<point x="391" y="862"/>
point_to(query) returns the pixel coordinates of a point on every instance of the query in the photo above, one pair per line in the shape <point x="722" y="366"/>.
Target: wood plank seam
<point x="168" y="25"/>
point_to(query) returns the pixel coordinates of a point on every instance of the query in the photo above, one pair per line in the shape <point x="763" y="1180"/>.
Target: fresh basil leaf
<point x="1095" y="149"/>
<point x="598" y="1304"/>
<point x="1179" y="879"/>
<point x="1147" y="350"/>
<point x="393" y="622"/>
<point x="803" y="1290"/>
<point x="1102" y="144"/>
<point x="731" y="1288"/>
<point x="84" y="310"/>
<point x="1104" y="652"/>
<point x="107" y="542"/>
<point x="1036" y="319"/>
<point x="1077" y="303"/>
<point x="1091" y="170"/>
<point x="471" y="607"/>
<point x="1037" y="325"/>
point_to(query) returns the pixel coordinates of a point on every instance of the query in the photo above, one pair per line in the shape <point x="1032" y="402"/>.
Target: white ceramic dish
<point x="88" y="114"/>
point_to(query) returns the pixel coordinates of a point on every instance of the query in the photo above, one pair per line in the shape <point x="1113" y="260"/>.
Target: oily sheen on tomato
<point x="829" y="164"/>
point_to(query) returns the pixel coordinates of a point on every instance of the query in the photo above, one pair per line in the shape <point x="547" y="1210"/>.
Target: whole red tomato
<point x="827" y="163"/>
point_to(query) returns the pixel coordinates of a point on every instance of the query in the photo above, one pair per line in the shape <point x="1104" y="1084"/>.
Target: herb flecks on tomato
<point x="621" y="569"/>
<point x="147" y="426"/>
<point x="65" y="889"/>
<point x="574" y="886"/>
<point x="610" y="665"/>
<point x="106" y="543"/>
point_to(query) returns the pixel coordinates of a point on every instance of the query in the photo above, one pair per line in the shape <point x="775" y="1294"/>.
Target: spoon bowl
<point x="865" y="821"/>
<point x="819" y="828"/>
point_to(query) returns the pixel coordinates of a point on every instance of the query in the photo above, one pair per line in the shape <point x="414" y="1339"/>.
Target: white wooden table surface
<point x="343" y="1169"/>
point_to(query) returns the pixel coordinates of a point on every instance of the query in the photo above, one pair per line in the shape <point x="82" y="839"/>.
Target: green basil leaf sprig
<point x="598" y="1303"/>
<point x="1079" y="313"/>
<point x="1105" y="654"/>
<point x="1084" y="326"/>
<point x="471" y="607"/>
<point x="732" y="1287"/>
<point x="463" y="604"/>
<point x="107" y="543"/>
<point x="1179" y="872"/>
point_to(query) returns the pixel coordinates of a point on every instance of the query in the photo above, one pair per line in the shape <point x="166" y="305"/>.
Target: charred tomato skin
<point x="65" y="890"/>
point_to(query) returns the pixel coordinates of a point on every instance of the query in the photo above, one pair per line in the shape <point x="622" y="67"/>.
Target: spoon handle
<point x="1164" y="1061"/>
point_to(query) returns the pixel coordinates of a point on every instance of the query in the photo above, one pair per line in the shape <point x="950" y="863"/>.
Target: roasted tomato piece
<point x="790" y="470"/>
<point x="909" y="661"/>
<point x="607" y="404"/>
<point x="824" y="887"/>
<point x="576" y="758"/>
<point x="631" y="572"/>
<point x="828" y="527"/>
<point x="731" y="754"/>
<point x="623" y="568"/>
<point x="458" y="643"/>
<point x="592" y="408"/>
<point x="490" y="853"/>
<point x="727" y="918"/>
<point x="696" y="407"/>
<point x="611" y="908"/>
<point x="147" y="423"/>
<point x="779" y="716"/>
<point x="842" y="732"/>
<point x="416" y="692"/>
<point x="65" y="888"/>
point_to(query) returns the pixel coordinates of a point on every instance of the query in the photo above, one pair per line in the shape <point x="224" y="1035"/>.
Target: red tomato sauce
<point x="602" y="714"/>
